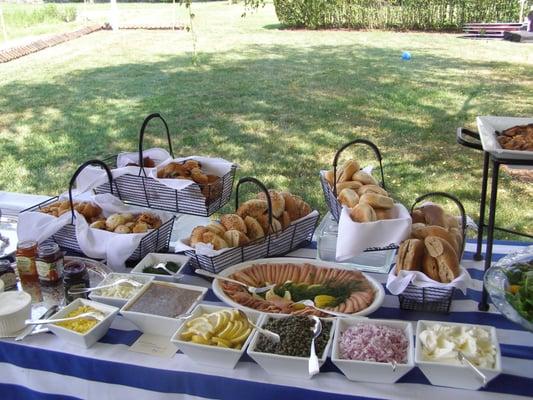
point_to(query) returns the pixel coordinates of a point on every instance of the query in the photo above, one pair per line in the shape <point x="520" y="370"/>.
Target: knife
<point x="29" y="329"/>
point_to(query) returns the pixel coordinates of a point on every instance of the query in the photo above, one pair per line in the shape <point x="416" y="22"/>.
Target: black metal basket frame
<point x="433" y="299"/>
<point x="157" y="240"/>
<point x="296" y="235"/>
<point x="142" y="190"/>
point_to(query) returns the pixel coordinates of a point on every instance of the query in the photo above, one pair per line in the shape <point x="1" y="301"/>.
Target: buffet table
<point x="44" y="367"/>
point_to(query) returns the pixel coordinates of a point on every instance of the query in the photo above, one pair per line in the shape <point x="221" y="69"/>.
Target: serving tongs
<point x="251" y="289"/>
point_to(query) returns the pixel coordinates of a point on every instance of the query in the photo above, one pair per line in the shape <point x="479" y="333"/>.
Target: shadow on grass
<point x="280" y="112"/>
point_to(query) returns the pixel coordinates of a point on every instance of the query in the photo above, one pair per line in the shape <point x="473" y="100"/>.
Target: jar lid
<point x="27" y="244"/>
<point x="47" y="249"/>
<point x="74" y="267"/>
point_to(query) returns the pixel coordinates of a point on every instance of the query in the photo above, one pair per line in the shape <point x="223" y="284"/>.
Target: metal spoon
<point x="91" y="315"/>
<point x="117" y="282"/>
<point x="311" y="303"/>
<point x="393" y="364"/>
<point x="272" y="335"/>
<point x="32" y="328"/>
<point x="251" y="289"/>
<point x="464" y="360"/>
<point x="164" y="268"/>
<point x="314" y="367"/>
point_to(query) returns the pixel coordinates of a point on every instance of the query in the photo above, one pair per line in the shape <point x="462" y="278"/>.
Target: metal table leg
<point x="481" y="222"/>
<point x="483" y="305"/>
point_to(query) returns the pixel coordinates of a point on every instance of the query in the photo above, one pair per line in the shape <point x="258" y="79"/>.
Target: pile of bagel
<point x="435" y="245"/>
<point x="250" y="222"/>
<point x="361" y="193"/>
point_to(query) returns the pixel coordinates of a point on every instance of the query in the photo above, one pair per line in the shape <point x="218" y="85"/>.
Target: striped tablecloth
<point x="44" y="367"/>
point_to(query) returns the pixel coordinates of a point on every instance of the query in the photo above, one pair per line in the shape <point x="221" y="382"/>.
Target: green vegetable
<point x="521" y="275"/>
<point x="172" y="266"/>
<point x="303" y="291"/>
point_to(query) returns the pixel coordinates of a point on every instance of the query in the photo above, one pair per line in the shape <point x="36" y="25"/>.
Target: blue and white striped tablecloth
<point x="44" y="367"/>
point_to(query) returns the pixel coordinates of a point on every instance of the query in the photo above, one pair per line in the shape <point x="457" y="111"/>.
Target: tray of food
<point x="509" y="283"/>
<point x="507" y="137"/>
<point x="330" y="286"/>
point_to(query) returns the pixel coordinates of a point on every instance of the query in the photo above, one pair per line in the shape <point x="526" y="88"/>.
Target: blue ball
<point x="406" y="56"/>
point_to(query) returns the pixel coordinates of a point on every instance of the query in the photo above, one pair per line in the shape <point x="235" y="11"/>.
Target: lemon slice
<point x="235" y="315"/>
<point x="221" y="342"/>
<point x="324" y="300"/>
<point x="203" y="329"/>
<point x="237" y="327"/>
<point x="241" y="338"/>
<point x="199" y="340"/>
<point x="187" y="335"/>
<point x="227" y="329"/>
<point x="298" y="306"/>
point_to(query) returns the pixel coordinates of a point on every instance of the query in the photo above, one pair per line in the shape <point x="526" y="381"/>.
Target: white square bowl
<point x="156" y="258"/>
<point x="90" y="337"/>
<point x="371" y="371"/>
<point x="455" y="375"/>
<point x="118" y="301"/>
<point x="156" y="324"/>
<point x="291" y="366"/>
<point x="213" y="355"/>
<point x="488" y="125"/>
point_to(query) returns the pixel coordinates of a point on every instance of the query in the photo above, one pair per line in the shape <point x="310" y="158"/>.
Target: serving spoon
<point x="311" y="303"/>
<point x="314" y="367"/>
<point x="90" y="315"/>
<point x="163" y="267"/>
<point x="117" y="282"/>
<point x="464" y="360"/>
<point x="251" y="289"/>
<point x="272" y="335"/>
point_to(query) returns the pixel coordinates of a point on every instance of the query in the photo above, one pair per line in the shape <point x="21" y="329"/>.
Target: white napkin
<point x="397" y="284"/>
<point x="356" y="237"/>
<point x="157" y="154"/>
<point x="38" y="226"/>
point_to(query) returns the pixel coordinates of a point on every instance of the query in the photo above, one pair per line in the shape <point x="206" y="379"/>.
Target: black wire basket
<point x="156" y="241"/>
<point x="432" y="299"/>
<point x="330" y="194"/>
<point x="144" y="191"/>
<point x="296" y="235"/>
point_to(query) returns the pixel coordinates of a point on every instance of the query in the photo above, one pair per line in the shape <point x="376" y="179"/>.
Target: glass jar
<point x="49" y="264"/>
<point x="29" y="278"/>
<point x="7" y="275"/>
<point x="75" y="276"/>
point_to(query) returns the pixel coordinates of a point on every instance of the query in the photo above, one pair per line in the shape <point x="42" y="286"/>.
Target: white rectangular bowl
<point x="156" y="258"/>
<point x="156" y="324"/>
<point x="450" y="375"/>
<point x="370" y="371"/>
<point x="212" y="355"/>
<point x="90" y="337"/>
<point x="487" y="127"/>
<point x="117" y="301"/>
<point x="291" y="366"/>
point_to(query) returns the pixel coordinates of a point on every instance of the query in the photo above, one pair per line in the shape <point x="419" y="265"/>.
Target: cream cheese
<point x="12" y="302"/>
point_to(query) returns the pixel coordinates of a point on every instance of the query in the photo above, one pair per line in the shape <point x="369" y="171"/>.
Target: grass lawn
<point x="277" y="102"/>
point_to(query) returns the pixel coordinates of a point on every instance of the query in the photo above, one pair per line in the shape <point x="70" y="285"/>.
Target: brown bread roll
<point x="278" y="202"/>
<point x="452" y="221"/>
<point x="217" y="242"/>
<point x="198" y="176"/>
<point x="445" y="256"/>
<point x="363" y="213"/>
<point x="196" y="234"/>
<point x="422" y="232"/>
<point x="253" y="208"/>
<point x="348" y="185"/>
<point x="348" y="197"/>
<point x="458" y="235"/>
<point x="410" y="255"/>
<point x="255" y="231"/>
<point x="346" y="172"/>
<point x="139" y="227"/>
<point x="236" y="238"/>
<point x="122" y="229"/>
<point x="430" y="267"/>
<point x="216" y="227"/>
<point x="290" y="206"/>
<point x="276" y="226"/>
<point x="285" y="220"/>
<point x="233" y="221"/>
<point x="98" y="225"/>
<point x="364" y="178"/>
<point x="371" y="189"/>
<point x="329" y="177"/>
<point x="263" y="222"/>
<point x="418" y="216"/>
<point x="434" y="215"/>
<point x="376" y="200"/>
<point x="383" y="213"/>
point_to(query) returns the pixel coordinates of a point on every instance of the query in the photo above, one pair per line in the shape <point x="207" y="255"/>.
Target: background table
<point x="45" y="367"/>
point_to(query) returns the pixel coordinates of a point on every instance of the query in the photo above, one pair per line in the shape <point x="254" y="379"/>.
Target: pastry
<point x="217" y="242"/>
<point x="255" y="231"/>
<point x="410" y="255"/>
<point x="235" y="238"/>
<point x="233" y="221"/>
<point x="363" y="213"/>
<point x="252" y="208"/>
<point x="196" y="234"/>
<point x="277" y="200"/>
<point x="198" y="176"/>
<point x="152" y="220"/>
<point x="445" y="257"/>
<point x="290" y="206"/>
<point x="216" y="227"/>
<point x="348" y="197"/>
<point x="364" y="178"/>
<point x="285" y="220"/>
<point x="376" y="200"/>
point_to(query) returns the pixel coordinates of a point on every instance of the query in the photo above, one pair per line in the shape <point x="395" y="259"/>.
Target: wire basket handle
<point x="457" y="203"/>
<point x="141" y="139"/>
<point x="356" y="141"/>
<point x="262" y="187"/>
<point x="75" y="176"/>
<point x="468" y="138"/>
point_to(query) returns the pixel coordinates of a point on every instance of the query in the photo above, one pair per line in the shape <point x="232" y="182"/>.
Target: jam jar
<point x="7" y="275"/>
<point x="29" y="278"/>
<point x="49" y="264"/>
<point x="75" y="276"/>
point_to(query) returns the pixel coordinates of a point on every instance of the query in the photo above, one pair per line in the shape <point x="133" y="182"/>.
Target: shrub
<point x="394" y="14"/>
<point x="49" y="13"/>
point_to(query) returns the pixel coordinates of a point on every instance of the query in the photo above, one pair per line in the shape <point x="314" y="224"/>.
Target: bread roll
<point x="346" y="172"/>
<point x="410" y="255"/>
<point x="152" y="220"/>
<point x="233" y="221"/>
<point x="371" y="189"/>
<point x="115" y="220"/>
<point x="140" y="227"/>
<point x="252" y="208"/>
<point x="217" y="242"/>
<point x="122" y="229"/>
<point x="216" y="227"/>
<point x="430" y="267"/>
<point x="262" y="220"/>
<point x="276" y="226"/>
<point x="348" y="197"/>
<point x="192" y="164"/>
<point x="363" y="213"/>
<point x="302" y="207"/>
<point x="290" y="206"/>
<point x="349" y="185"/>
<point x="434" y="215"/>
<point x="285" y="220"/>
<point x="382" y="213"/>
<point x="236" y="238"/>
<point x="255" y="231"/>
<point x="445" y="256"/>
<point x="196" y="235"/>
<point x="364" y="178"/>
<point x="451" y="221"/>
<point x="376" y="200"/>
<point x="329" y="177"/>
<point x="458" y="235"/>
<point x="278" y="202"/>
<point x="422" y="232"/>
<point x="98" y="225"/>
<point x="418" y="216"/>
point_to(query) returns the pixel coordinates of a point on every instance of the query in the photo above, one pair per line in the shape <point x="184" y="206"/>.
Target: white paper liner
<point x="356" y="237"/>
<point x="116" y="248"/>
<point x="206" y="249"/>
<point x="397" y="284"/>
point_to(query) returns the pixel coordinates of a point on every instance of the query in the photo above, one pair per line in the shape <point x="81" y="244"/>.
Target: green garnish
<point x="172" y="266"/>
<point x="520" y="290"/>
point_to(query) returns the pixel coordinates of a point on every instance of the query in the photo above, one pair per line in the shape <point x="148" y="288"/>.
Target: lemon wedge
<point x="199" y="340"/>
<point x="221" y="342"/>
<point x="241" y="338"/>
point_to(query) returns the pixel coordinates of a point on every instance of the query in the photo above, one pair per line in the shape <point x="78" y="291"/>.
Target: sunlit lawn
<point x="277" y="102"/>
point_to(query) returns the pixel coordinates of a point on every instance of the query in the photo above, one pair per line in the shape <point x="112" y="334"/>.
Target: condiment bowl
<point x="291" y="366"/>
<point x="372" y="371"/>
<point x="155" y="258"/>
<point x="212" y="355"/>
<point x="157" y="324"/>
<point x="96" y="295"/>
<point x="94" y="334"/>
<point x="455" y="374"/>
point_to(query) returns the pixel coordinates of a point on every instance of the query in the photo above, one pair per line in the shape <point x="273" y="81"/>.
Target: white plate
<point x="379" y="292"/>
<point x="488" y="125"/>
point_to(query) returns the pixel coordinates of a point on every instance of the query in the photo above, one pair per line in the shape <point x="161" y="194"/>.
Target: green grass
<point x="277" y="102"/>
